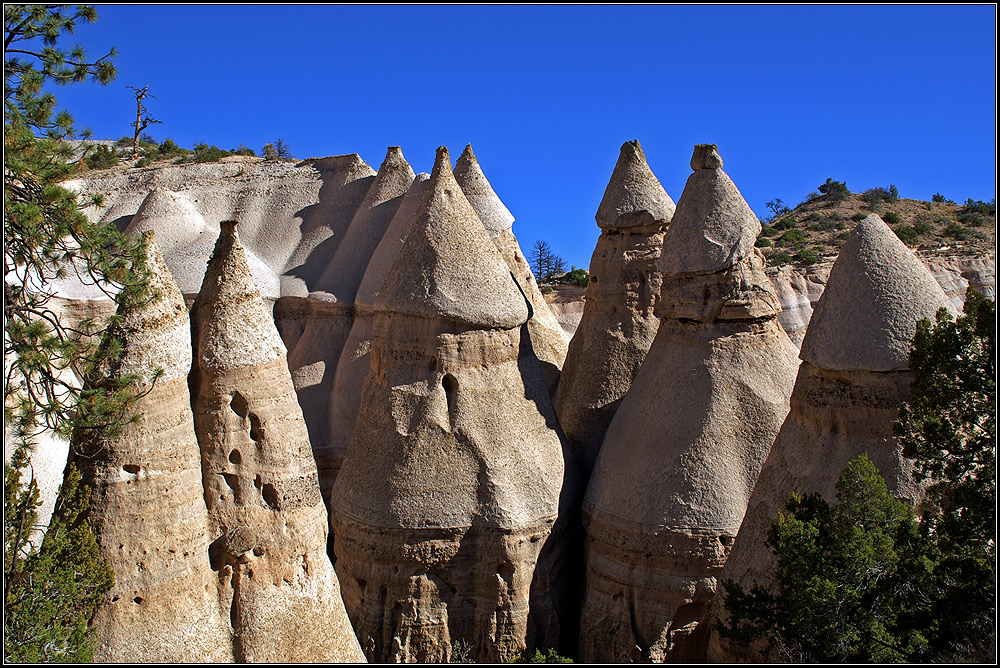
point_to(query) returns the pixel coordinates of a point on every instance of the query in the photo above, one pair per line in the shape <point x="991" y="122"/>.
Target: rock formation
<point x="546" y="335"/>
<point x="618" y="323"/>
<point x="851" y="383"/>
<point x="317" y="352"/>
<point x="267" y="521"/>
<point x="680" y="458"/>
<point x="148" y="510"/>
<point x="355" y="359"/>
<point x="453" y="479"/>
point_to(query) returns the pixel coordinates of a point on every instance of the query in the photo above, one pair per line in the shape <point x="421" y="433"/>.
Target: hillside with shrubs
<point x="815" y="230"/>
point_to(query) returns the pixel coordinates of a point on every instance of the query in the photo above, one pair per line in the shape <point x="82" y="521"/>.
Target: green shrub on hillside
<point x="770" y="231"/>
<point x="779" y="259"/>
<point x="102" y="158"/>
<point x="859" y="216"/>
<point x="836" y="191"/>
<point x="784" y="224"/>
<point x="956" y="232"/>
<point x="763" y="242"/>
<point x="907" y="235"/>
<point x="892" y="218"/>
<point x="792" y="237"/>
<point x="807" y="256"/>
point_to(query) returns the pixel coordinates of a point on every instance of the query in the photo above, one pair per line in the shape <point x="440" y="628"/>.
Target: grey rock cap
<point x="634" y="196"/>
<point x="449" y="267"/>
<point x="877" y="292"/>
<point x="495" y="216"/>
<point x="713" y="227"/>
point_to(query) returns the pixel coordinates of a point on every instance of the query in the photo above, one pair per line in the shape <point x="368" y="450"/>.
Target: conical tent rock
<point x="618" y="323"/>
<point x="452" y="481"/>
<point x="147" y="510"/>
<point x="315" y="356"/>
<point x="683" y="451"/>
<point x="341" y="279"/>
<point x="267" y="521"/>
<point x="851" y="383"/>
<point x="496" y="217"/>
<point x="548" y="340"/>
<point x="880" y="287"/>
<point x="355" y="358"/>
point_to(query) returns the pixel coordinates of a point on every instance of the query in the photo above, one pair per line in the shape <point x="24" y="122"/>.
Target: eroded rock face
<point x="546" y="334"/>
<point x="681" y="455"/>
<point x="851" y="383"/>
<point x="267" y="521"/>
<point x="618" y="322"/>
<point x="147" y="510"/>
<point x="445" y="503"/>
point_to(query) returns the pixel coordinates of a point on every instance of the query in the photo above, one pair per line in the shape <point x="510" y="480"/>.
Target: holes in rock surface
<point x="137" y="600"/>
<point x="593" y="279"/>
<point x="450" y="385"/>
<point x="240" y="405"/>
<point x="232" y="480"/>
<point x="257" y="551"/>
<point x="130" y="468"/>
<point x="258" y="481"/>
<point x="256" y="432"/>
<point x="235" y="457"/>
<point x="727" y="540"/>
<point x="270" y="495"/>
<point x="506" y="571"/>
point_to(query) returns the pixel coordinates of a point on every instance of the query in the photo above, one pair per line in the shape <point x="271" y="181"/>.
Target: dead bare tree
<point x="142" y="117"/>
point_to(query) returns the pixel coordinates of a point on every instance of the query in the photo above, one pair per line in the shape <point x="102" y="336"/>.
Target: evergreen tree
<point x="863" y="580"/>
<point x="50" y="593"/>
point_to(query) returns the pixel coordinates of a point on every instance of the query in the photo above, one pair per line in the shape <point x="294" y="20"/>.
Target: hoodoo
<point x="334" y="294"/>
<point x="148" y="509"/>
<point x="267" y="521"/>
<point x="672" y="480"/>
<point x="355" y="359"/>
<point x="618" y="323"/>
<point x="546" y="335"/>
<point x="451" y="486"/>
<point x="851" y="383"/>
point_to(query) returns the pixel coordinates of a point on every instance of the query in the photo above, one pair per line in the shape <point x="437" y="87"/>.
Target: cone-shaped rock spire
<point x="451" y="485"/>
<point x="495" y="216"/>
<point x="618" y="323"/>
<point x="266" y="517"/>
<point x="846" y="400"/>
<point x="355" y="358"/>
<point x="148" y="510"/>
<point x="683" y="451"/>
<point x="342" y="277"/>
<point x="880" y="287"/>
<point x="634" y="196"/>
<point x="547" y="339"/>
<point x="447" y="271"/>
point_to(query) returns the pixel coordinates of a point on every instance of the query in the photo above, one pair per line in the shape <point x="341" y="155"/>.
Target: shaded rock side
<point x="267" y="520"/>
<point x="618" y="322"/>
<point x="840" y="412"/>
<point x="444" y="508"/>
<point x="547" y="339"/>
<point x="148" y="510"/>
<point x="355" y="358"/>
<point x="329" y="313"/>
<point x="681" y="455"/>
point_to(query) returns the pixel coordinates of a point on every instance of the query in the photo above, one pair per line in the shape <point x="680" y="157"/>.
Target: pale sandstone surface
<point x="839" y="408"/>
<point x="547" y="339"/>
<point x="355" y="359"/>
<point x="618" y="322"/>
<point x="148" y="510"/>
<point x="898" y="291"/>
<point x="454" y="478"/>
<point x="681" y="455"/>
<point x="330" y="313"/>
<point x="267" y="520"/>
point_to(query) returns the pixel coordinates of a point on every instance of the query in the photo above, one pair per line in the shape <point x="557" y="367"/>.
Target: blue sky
<point x="870" y="95"/>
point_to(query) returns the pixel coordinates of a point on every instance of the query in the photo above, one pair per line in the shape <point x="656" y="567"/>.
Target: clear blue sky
<point x="870" y="95"/>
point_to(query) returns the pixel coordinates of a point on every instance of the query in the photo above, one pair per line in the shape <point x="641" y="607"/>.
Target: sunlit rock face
<point x="618" y="322"/>
<point x="267" y="520"/>
<point x="147" y="510"/>
<point x="548" y="341"/>
<point x="851" y="383"/>
<point x="446" y="503"/>
<point x="681" y="455"/>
